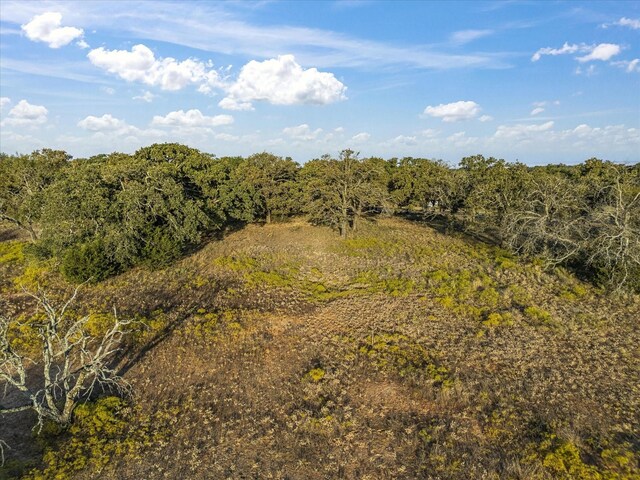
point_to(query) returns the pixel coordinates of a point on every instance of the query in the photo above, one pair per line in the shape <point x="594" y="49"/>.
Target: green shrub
<point x="11" y="252"/>
<point x="498" y="320"/>
<point x="538" y="315"/>
<point x="88" y="262"/>
<point x="161" y="248"/>
<point x="89" y="441"/>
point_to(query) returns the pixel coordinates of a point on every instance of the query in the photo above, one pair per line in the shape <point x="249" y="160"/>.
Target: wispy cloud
<point x="602" y="52"/>
<point x="463" y="37"/>
<point x="217" y="28"/>
<point x="633" y="23"/>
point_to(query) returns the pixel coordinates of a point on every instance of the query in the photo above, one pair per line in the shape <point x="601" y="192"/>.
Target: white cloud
<point x="566" y="48"/>
<point x="46" y="28"/>
<point x="629" y="66"/>
<point x="430" y="133"/>
<point x="589" y="71"/>
<point x="282" y="81"/>
<point x="465" y="36"/>
<point x="191" y="118"/>
<point x="4" y="101"/>
<point x="231" y="104"/>
<point x="110" y="130"/>
<point x="302" y="132"/>
<point x="402" y="140"/>
<point x="141" y="65"/>
<point x="83" y="44"/>
<point x="147" y="96"/>
<point x="603" y="52"/>
<point x="226" y="137"/>
<point x="108" y="90"/>
<point x="521" y="131"/>
<point x="453" y="112"/>
<point x="361" y="137"/>
<point x="25" y="114"/>
<point x="537" y="110"/>
<point x="485" y="118"/>
<point x="105" y="122"/>
<point x="633" y="23"/>
<point x="460" y="140"/>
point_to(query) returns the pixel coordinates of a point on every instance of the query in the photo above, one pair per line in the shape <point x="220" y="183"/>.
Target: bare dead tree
<point x="3" y="444"/>
<point x="70" y="362"/>
<point x="549" y="224"/>
<point x="614" y="244"/>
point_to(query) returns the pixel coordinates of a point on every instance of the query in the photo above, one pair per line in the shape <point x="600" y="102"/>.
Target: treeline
<point x="107" y="213"/>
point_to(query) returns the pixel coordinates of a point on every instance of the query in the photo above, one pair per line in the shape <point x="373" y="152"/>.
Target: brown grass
<point x="233" y="357"/>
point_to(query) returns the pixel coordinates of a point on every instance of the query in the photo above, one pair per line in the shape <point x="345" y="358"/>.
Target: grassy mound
<point x="283" y="351"/>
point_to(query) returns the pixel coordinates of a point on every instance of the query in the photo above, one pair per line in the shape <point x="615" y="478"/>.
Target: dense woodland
<point x="105" y="214"/>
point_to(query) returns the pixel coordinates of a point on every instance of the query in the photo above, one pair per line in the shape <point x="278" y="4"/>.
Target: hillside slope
<point x="283" y="351"/>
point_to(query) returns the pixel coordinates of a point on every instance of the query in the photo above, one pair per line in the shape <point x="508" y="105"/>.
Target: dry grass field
<point x="285" y="352"/>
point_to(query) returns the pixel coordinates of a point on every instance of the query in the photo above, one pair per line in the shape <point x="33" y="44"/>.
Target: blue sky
<point x="538" y="82"/>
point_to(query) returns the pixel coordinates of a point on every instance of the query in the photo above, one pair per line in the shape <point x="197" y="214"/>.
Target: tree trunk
<point x="343" y="228"/>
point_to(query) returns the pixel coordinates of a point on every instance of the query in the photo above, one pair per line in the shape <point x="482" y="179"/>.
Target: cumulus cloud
<point x="109" y="129"/>
<point x="402" y="140"/>
<point x="46" y="28"/>
<point x="232" y="104"/>
<point x="603" y="52"/>
<point x="105" y="122"/>
<point x="4" y="101"/>
<point x="460" y="140"/>
<point x="25" y="114"/>
<point x="191" y="118"/>
<point x="537" y="110"/>
<point x="361" y="137"/>
<point x="302" y="132"/>
<point x="453" y="112"/>
<point x="226" y="137"/>
<point x="282" y="81"/>
<point x="141" y="65"/>
<point x="521" y="131"/>
<point x="485" y="118"/>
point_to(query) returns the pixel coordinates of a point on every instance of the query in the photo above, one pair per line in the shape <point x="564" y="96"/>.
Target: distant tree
<point x="23" y="179"/>
<point x="492" y="189"/>
<point x="212" y="176"/>
<point x="421" y="182"/>
<point x="72" y="359"/>
<point x="371" y="190"/>
<point x="264" y="186"/>
<point x="120" y="210"/>
<point x="78" y="206"/>
<point x="338" y="192"/>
